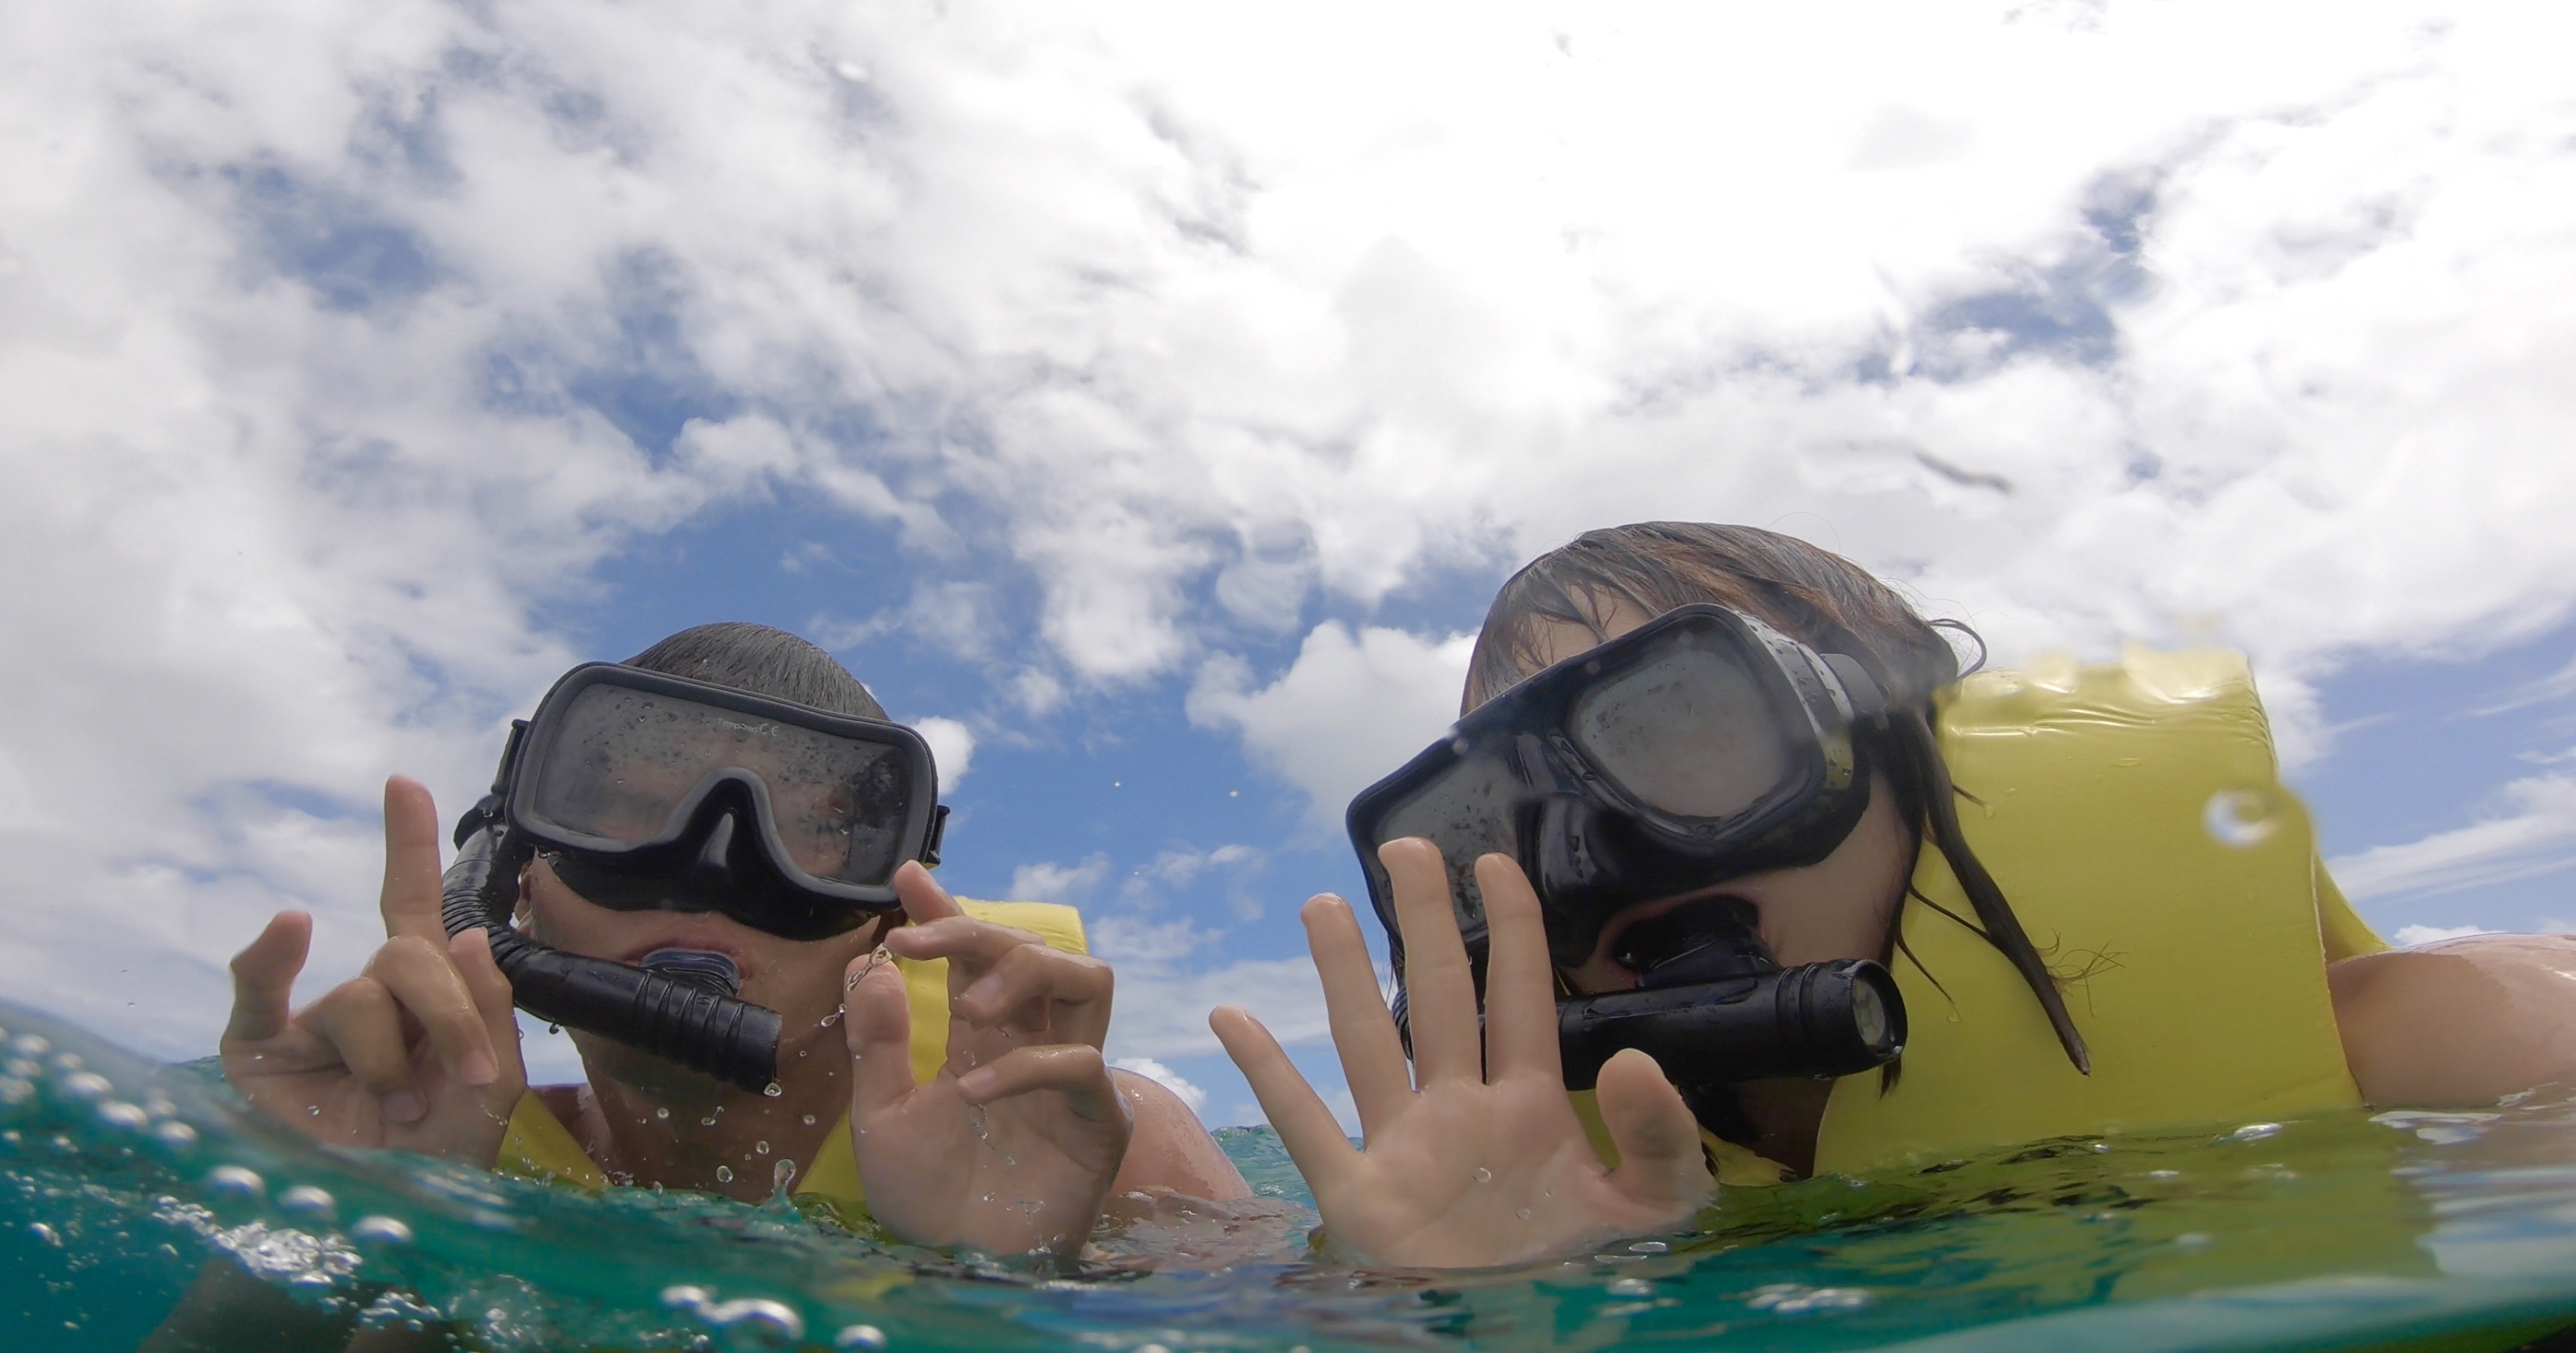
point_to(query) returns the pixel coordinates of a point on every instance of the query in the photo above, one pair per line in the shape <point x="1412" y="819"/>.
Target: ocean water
<point x="121" y="1179"/>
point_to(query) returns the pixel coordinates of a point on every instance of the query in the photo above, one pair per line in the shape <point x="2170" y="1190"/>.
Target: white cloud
<point x="1047" y="881"/>
<point x="2537" y="836"/>
<point x="952" y="748"/>
<point x="2411" y="935"/>
<point x="1162" y="1011"/>
<point x="1347" y="711"/>
<point x="1166" y="1077"/>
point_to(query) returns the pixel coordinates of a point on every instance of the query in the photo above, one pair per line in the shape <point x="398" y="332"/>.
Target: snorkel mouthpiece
<point x="1712" y="1008"/>
<point x="685" y="1013"/>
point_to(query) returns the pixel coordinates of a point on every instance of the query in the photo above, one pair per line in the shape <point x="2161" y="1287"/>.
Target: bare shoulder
<point x="2459" y="1023"/>
<point x="1171" y="1149"/>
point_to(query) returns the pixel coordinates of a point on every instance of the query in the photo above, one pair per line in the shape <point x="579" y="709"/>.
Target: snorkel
<point x="646" y="791"/>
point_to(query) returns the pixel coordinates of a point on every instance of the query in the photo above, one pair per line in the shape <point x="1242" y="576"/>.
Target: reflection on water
<point x="119" y="1179"/>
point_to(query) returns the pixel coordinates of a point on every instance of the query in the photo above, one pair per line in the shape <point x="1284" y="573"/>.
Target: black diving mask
<point x="646" y="791"/>
<point x="1703" y="746"/>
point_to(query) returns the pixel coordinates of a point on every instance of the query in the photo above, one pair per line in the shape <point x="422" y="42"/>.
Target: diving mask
<point x="1703" y="746"/>
<point x="645" y="791"/>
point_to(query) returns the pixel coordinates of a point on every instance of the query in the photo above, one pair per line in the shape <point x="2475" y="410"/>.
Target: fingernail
<point x="975" y="1084"/>
<point x="406" y="1106"/>
<point x="478" y="1068"/>
<point x="981" y="990"/>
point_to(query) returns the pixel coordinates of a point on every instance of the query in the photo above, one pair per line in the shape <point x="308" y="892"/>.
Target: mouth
<point x="693" y="938"/>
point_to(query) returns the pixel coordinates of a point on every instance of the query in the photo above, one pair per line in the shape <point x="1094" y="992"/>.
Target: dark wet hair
<point x="763" y="661"/>
<point x="1822" y="599"/>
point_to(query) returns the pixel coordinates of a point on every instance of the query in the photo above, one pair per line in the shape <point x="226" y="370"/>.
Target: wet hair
<point x="763" y="661"/>
<point x="1821" y="599"/>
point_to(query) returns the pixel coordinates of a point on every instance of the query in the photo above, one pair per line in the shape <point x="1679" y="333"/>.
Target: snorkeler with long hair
<point x="1650" y="900"/>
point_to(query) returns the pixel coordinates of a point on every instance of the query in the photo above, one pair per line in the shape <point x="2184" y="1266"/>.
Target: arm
<point x="2460" y="1023"/>
<point x="1172" y="1149"/>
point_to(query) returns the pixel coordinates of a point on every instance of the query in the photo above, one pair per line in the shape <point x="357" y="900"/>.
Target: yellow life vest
<point x="538" y="1146"/>
<point x="2133" y="815"/>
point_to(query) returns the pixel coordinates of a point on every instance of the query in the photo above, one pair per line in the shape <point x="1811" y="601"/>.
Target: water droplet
<point x="306" y="1200"/>
<point x="761" y="1148"/>
<point x="782" y="1174"/>
<point x="988" y="1197"/>
<point x="1483" y="1175"/>
<point x="809" y="1120"/>
<point x="663" y="1113"/>
<point x="1523" y="1214"/>
<point x="773" y="1090"/>
<point x="2242" y="817"/>
<point x="755" y="1322"/>
<point x="724" y="1174"/>
<point x="832" y="1018"/>
<point x="2252" y="1132"/>
<point x="708" y="1121"/>
<point x="554" y="1028"/>
<point x="859" y="1336"/>
<point x="381" y="1231"/>
<point x="1648" y="1247"/>
<point x="234" y="1181"/>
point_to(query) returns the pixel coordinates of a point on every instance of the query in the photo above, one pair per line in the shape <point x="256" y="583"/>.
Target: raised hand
<point x="1485" y="1162"/>
<point x="420" y="1051"/>
<point x="1012" y="1146"/>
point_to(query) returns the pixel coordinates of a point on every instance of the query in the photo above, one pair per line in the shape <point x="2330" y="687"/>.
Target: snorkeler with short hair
<point x="697" y="861"/>
<point x="1644" y="899"/>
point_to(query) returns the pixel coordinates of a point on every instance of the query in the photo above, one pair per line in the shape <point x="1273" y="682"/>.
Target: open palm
<point x="1485" y="1162"/>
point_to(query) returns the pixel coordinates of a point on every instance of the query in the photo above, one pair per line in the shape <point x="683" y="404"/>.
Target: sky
<point x="1146" y="400"/>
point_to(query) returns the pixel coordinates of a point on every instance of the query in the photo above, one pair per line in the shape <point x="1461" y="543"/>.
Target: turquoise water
<point x="119" y="1178"/>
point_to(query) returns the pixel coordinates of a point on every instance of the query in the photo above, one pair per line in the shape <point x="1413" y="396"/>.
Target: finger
<point x="878" y="1030"/>
<point x="471" y="952"/>
<point x="967" y="944"/>
<point x="264" y="977"/>
<point x="427" y="984"/>
<point x="1363" y="1028"/>
<point x="1038" y="988"/>
<point x="1314" y="1140"/>
<point x="1440" y="992"/>
<point x="1070" y="1069"/>
<point x="360" y="1021"/>
<point x="1520" y="986"/>
<point x="923" y="899"/>
<point x="1660" y="1160"/>
<point x="410" y="897"/>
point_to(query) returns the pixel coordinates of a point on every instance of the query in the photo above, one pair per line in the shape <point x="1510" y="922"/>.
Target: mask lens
<point x="1688" y="731"/>
<point x="1467" y="812"/>
<point x="625" y="761"/>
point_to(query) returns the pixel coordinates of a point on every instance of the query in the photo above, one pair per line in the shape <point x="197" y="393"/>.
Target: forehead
<point x="1553" y="641"/>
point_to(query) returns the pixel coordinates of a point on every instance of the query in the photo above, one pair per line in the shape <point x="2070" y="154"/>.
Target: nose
<point x="719" y="845"/>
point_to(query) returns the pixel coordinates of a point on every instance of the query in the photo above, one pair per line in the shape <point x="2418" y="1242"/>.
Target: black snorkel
<point x="677" y="1015"/>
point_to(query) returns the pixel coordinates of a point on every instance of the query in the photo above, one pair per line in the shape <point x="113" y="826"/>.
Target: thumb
<point x="493" y="999"/>
<point x="264" y="977"/>
<point x="878" y="1030"/>
<point x="1659" y="1150"/>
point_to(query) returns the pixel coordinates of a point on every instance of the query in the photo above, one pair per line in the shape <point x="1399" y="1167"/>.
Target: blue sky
<point x="1147" y="398"/>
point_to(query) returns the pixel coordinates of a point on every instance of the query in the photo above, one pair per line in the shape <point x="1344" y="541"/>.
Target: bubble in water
<point x="1648" y="1247"/>
<point x="29" y="1045"/>
<point x="1797" y="1298"/>
<point x="2242" y="817"/>
<point x="174" y="1134"/>
<point x="381" y="1231"/>
<point x="1632" y="1287"/>
<point x="755" y="1322"/>
<point x="2252" y="1132"/>
<point x="116" y="1113"/>
<point x="67" y="1061"/>
<point x="234" y="1181"/>
<point x="1483" y="1175"/>
<point x="687" y="1297"/>
<point x="25" y="1068"/>
<point x="859" y="1336"/>
<point x="773" y="1090"/>
<point x="14" y="1090"/>
<point x="84" y="1087"/>
<point x="307" y="1200"/>
<point x="46" y="1234"/>
<point x="724" y="1174"/>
